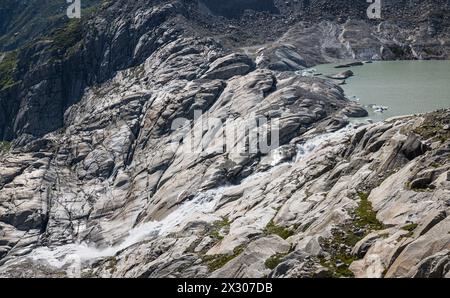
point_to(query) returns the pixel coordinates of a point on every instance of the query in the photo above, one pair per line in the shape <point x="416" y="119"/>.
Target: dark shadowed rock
<point x="413" y="147"/>
<point x="357" y="63"/>
<point x="355" y="111"/>
<point x="102" y="174"/>
<point x="435" y="266"/>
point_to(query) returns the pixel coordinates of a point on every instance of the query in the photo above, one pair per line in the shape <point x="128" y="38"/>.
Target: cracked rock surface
<point x="109" y="186"/>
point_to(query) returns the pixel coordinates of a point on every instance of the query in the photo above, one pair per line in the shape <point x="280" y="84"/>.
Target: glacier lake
<point x="403" y="87"/>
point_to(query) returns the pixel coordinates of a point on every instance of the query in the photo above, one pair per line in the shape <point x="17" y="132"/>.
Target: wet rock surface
<point x="52" y="72"/>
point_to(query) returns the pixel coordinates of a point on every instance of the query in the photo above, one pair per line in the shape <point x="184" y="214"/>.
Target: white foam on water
<point x="277" y="157"/>
<point x="200" y="205"/>
<point x="309" y="72"/>
<point x="259" y="59"/>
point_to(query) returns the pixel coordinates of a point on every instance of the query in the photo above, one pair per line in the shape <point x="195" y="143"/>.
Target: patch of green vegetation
<point x="337" y="271"/>
<point x="219" y="226"/>
<point x="5" y="146"/>
<point x="34" y="19"/>
<point x="58" y="274"/>
<point x="272" y="228"/>
<point x="7" y="69"/>
<point x="367" y="217"/>
<point x="346" y="236"/>
<point x="274" y="260"/>
<point x="340" y="259"/>
<point x="435" y="165"/>
<point x="410" y="228"/>
<point x="432" y="128"/>
<point x="215" y="262"/>
<point x="112" y="263"/>
<point x="68" y="36"/>
<point x="88" y="274"/>
<point x="216" y="235"/>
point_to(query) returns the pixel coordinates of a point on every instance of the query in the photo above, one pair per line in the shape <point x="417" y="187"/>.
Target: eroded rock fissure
<point x="108" y="194"/>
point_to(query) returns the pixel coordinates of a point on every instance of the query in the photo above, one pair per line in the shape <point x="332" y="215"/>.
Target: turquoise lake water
<point x="404" y="87"/>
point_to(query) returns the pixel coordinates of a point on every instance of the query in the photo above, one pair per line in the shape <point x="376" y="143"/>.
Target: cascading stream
<point x="202" y="204"/>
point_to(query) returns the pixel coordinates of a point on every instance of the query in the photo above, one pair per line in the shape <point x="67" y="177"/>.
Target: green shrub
<point x="345" y="237"/>
<point x="68" y="36"/>
<point x="410" y="228"/>
<point x="5" y="146"/>
<point x="432" y="127"/>
<point x="215" y="262"/>
<point x="272" y="228"/>
<point x="218" y="226"/>
<point x="274" y="260"/>
<point x="7" y="69"/>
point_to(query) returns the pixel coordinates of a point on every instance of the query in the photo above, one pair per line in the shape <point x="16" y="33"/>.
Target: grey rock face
<point x="229" y="66"/>
<point x="235" y="8"/>
<point x="281" y="57"/>
<point x="72" y="59"/>
<point x="119" y="192"/>
<point x="355" y="110"/>
<point x="284" y="38"/>
<point x="114" y="166"/>
<point x="433" y="267"/>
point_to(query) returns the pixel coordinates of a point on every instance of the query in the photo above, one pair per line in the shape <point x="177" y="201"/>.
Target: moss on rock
<point x="272" y="228"/>
<point x="7" y="69"/>
<point x="274" y="260"/>
<point x="220" y="226"/>
<point x="215" y="262"/>
<point x="345" y="237"/>
<point x="366" y="216"/>
<point x="68" y="36"/>
<point x="5" y="146"/>
<point x="410" y="228"/>
<point x="433" y="126"/>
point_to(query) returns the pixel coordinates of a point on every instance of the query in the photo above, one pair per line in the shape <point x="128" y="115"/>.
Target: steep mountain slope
<point x="103" y="178"/>
<point x="21" y="21"/>
<point x="51" y="74"/>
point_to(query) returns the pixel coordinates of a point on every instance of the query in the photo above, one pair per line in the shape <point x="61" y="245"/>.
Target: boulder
<point x="360" y="249"/>
<point x="413" y="147"/>
<point x="342" y="75"/>
<point x="346" y="65"/>
<point x="355" y="111"/>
